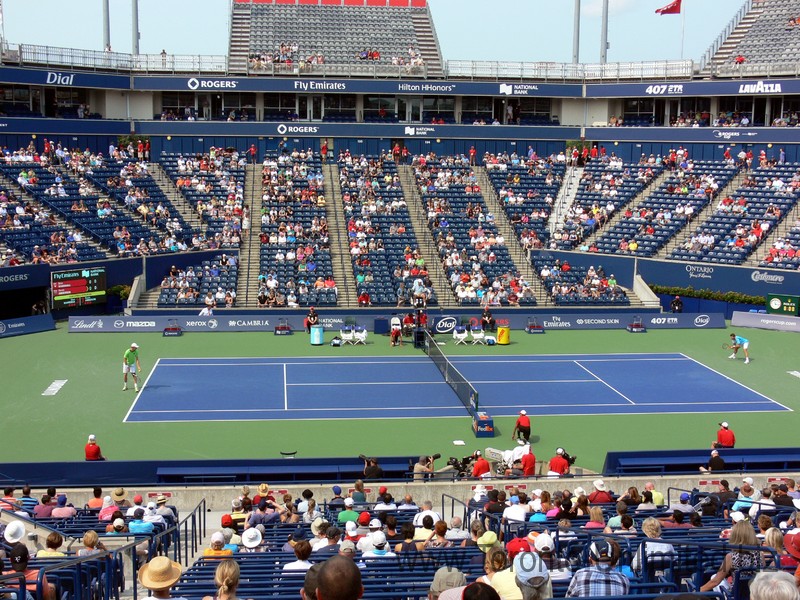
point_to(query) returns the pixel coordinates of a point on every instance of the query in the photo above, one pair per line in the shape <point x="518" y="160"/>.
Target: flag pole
<point x="683" y="27"/>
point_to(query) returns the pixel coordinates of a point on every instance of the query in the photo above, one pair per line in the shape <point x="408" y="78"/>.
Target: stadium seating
<point x="606" y="186"/>
<point x="295" y="255"/>
<point x="736" y="228"/>
<point x="471" y="249"/>
<point x="527" y="193"/>
<point x="133" y="188"/>
<point x="294" y="36"/>
<point x="379" y="226"/>
<point x="217" y="195"/>
<point x="570" y="286"/>
<point x="193" y="285"/>
<point x="644" y="230"/>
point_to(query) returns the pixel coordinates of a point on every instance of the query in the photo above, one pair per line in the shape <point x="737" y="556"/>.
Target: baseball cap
<point x="601" y="550"/>
<point x="514" y="499"/>
<point x="61" y="500"/>
<point x="523" y="412"/>
<point x="364" y="518"/>
<point x="748" y="480"/>
<point x="488" y="541"/>
<point x="544" y="543"/>
<point x="92" y="437"/>
<point x="783" y="487"/>
<point x="375" y="524"/>
<point x="685" y="497"/>
<point x="226" y="521"/>
<point x="737" y="516"/>
<point x="447" y="578"/>
<point x="137" y="499"/>
<point x="348" y="502"/>
<point x="351" y="527"/>
<point x="337" y="490"/>
<point x="347" y="546"/>
<point x="724" y="424"/>
<point x="517" y="545"/>
<point x="528" y="566"/>
<point x="559" y="451"/>
<point x="382" y="490"/>
<point x="138" y="513"/>
<point x="119" y="524"/>
<point x="217" y="538"/>
<point x="134" y="345"/>
<point x="379" y="539"/>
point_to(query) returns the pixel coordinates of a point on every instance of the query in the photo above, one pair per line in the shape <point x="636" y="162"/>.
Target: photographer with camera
<point x="372" y="470"/>
<point x="424" y="467"/>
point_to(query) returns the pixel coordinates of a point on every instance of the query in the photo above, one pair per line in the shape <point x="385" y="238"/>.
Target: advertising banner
<point x="26" y="325"/>
<point x="764" y="321"/>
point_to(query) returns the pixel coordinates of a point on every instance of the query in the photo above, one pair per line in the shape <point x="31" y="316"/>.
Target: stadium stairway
<point x="239" y="45"/>
<point x="427" y="247"/>
<point x="60" y="221"/>
<point x="566" y="197"/>
<point x="337" y="230"/>
<point x="178" y="200"/>
<point x="515" y="250"/>
<point x="724" y="55"/>
<point x="428" y="42"/>
<point x="701" y="217"/>
<point x="249" y="264"/>
<point x="635" y="201"/>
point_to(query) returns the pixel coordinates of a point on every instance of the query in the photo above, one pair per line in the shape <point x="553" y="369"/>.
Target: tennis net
<point x="463" y="388"/>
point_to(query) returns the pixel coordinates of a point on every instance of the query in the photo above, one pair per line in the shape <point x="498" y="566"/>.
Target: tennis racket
<point x="727" y="346"/>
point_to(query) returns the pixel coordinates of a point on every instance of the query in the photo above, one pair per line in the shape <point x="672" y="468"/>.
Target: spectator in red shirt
<point x="481" y="466"/>
<point x="92" y="450"/>
<point x="558" y="464"/>
<point x="522" y="429"/>
<point x="528" y="463"/>
<point x="725" y="437"/>
<point x="600" y="495"/>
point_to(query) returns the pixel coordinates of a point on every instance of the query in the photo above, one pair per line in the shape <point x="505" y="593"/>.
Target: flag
<point x="673" y="8"/>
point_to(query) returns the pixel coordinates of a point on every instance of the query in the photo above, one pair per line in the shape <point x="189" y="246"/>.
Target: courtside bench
<point x="662" y="462"/>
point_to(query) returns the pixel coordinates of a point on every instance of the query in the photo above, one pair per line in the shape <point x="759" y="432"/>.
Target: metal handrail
<point x="732" y="24"/>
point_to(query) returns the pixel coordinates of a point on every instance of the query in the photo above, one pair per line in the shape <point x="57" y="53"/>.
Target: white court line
<point x="136" y="399"/>
<point x="455" y="359"/>
<point x="285" y="389"/>
<point x="560" y="404"/>
<point x="609" y="386"/>
<point x="350" y="419"/>
<point x="283" y="362"/>
<point x="737" y="383"/>
<point x="280" y="410"/>
<point x="479" y="382"/>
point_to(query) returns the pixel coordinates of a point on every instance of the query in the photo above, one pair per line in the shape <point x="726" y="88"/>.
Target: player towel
<point x="673" y="8"/>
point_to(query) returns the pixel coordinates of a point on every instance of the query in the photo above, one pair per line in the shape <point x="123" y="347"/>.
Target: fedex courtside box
<point x="483" y="425"/>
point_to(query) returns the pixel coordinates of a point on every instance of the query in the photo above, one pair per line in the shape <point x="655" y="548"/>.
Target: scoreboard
<point x="78" y="287"/>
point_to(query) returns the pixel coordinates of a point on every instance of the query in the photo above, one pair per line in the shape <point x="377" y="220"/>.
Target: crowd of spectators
<point x="286" y="54"/>
<point x="190" y="281"/>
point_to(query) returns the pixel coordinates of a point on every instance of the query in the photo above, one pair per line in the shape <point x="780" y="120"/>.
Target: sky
<point x="494" y="30"/>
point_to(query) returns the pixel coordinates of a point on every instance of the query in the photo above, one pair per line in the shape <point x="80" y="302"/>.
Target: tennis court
<point x="389" y="387"/>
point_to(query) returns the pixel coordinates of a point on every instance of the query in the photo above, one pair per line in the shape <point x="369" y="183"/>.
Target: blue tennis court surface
<point x="245" y="389"/>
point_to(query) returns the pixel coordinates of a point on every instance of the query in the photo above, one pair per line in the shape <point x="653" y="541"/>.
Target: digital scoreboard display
<point x="78" y="287"/>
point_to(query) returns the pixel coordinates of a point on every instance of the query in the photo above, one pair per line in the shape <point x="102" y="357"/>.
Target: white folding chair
<point x="478" y="336"/>
<point x="360" y="335"/>
<point x="348" y="335"/>
<point x="460" y="335"/>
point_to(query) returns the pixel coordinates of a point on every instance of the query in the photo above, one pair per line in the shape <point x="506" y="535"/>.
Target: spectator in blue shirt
<point x="138" y="525"/>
